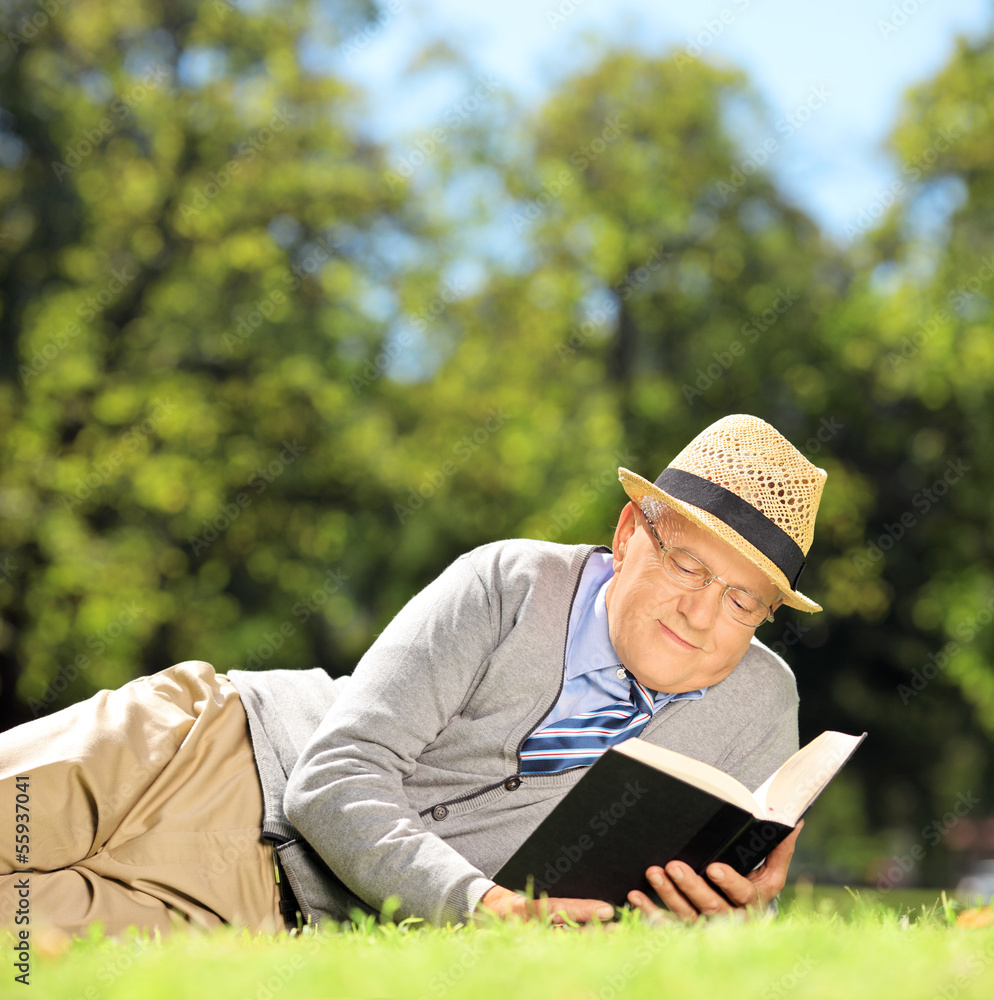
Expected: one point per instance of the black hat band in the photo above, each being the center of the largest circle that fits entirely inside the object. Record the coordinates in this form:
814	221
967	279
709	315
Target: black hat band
752	524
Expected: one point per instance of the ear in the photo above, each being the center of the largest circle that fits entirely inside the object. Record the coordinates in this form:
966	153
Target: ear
627	524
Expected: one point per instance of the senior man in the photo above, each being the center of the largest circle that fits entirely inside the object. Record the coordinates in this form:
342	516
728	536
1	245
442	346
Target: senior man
417	776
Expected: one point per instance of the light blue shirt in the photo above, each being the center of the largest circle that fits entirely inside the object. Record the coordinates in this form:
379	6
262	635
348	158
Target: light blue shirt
592	678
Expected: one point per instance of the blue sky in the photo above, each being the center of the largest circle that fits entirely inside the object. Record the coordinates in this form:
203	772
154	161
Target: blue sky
862	54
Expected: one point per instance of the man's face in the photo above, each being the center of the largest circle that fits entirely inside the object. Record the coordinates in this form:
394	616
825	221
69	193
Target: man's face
671	638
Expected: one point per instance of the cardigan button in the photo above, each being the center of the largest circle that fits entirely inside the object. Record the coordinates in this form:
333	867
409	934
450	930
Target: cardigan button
512	783
439	812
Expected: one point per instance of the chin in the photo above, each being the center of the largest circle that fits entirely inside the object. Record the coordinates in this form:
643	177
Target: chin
669	684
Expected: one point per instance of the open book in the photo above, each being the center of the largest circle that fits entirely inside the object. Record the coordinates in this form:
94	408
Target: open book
642	805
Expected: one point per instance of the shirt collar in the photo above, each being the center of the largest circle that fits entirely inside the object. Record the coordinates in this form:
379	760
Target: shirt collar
590	646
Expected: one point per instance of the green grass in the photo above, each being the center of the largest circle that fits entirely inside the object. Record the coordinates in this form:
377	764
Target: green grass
825	944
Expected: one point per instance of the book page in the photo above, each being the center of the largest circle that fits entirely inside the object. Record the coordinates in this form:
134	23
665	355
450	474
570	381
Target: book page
786	795
694	772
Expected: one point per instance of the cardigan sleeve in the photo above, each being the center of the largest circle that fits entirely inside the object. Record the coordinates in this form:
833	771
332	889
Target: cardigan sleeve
345	794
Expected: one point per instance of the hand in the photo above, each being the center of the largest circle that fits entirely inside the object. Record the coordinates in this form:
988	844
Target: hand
689	897
506	904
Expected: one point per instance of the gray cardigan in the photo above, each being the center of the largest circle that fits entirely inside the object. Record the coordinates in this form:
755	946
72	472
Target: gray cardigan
402	779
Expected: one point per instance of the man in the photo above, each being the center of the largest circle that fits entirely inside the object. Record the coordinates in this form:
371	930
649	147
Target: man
419	775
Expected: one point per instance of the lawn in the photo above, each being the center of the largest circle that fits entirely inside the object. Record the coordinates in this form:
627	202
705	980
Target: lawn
824	944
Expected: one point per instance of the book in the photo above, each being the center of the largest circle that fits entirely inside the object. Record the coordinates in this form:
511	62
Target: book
640	805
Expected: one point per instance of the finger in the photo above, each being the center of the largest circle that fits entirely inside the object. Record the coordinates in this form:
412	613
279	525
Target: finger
580	911
762	884
771	876
673	899
696	890
779	857
739	890
654	914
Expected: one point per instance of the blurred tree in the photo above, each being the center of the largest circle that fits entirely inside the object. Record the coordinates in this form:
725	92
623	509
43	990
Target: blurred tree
914	355
198	249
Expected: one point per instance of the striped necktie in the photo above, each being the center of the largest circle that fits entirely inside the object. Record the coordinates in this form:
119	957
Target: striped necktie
582	738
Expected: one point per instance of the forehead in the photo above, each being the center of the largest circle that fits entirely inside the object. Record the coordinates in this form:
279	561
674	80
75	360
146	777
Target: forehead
719	557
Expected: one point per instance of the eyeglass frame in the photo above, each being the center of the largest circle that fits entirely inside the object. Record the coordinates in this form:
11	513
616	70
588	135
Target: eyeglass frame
711	575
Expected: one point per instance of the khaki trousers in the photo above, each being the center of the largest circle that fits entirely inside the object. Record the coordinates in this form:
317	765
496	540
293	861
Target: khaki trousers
143	808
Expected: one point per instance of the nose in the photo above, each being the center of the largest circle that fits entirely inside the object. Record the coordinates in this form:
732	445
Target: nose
701	607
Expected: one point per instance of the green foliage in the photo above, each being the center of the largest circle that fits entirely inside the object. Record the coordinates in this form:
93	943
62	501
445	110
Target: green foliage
190	275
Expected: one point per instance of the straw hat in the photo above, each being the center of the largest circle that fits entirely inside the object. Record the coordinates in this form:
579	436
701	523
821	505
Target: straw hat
745	483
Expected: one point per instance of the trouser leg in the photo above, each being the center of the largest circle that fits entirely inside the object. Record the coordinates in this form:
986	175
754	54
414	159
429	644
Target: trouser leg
144	809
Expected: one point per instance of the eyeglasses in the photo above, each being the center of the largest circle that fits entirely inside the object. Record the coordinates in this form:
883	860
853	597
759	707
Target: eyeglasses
689	571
